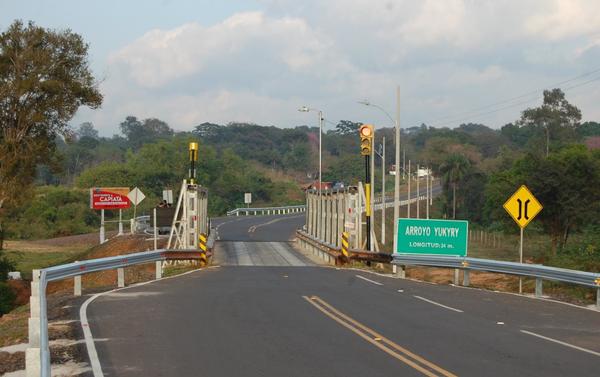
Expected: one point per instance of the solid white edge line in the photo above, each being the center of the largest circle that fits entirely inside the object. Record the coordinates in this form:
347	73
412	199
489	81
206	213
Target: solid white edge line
89	339
369	280
438	304
561	343
85	326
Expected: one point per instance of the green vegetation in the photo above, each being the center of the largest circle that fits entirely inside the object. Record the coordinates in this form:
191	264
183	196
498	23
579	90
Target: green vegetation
47	167
28	261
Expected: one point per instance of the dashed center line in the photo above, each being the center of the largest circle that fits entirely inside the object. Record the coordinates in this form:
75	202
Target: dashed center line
561	343
438	304
369	280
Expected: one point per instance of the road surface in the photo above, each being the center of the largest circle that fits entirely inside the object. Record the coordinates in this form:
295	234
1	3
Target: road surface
268	311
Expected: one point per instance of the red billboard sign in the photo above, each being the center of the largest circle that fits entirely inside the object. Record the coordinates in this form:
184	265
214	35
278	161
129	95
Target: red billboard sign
109	198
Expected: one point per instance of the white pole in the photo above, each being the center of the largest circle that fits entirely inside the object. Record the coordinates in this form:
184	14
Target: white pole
102	238
120	222
397	171
418	194
155	230
427	203
320	177
372	217
383	194
431	191
521	261
408	202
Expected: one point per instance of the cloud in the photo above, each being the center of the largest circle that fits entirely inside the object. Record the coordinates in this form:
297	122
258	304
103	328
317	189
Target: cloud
449	56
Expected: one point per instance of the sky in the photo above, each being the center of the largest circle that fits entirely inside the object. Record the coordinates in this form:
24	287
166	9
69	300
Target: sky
456	61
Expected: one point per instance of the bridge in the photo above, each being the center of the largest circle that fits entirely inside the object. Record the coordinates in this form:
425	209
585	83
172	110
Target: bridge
279	293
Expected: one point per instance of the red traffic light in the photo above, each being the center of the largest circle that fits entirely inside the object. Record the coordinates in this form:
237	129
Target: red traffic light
366	130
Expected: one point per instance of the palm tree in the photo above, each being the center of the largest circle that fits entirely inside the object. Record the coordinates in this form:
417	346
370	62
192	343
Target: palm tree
453	170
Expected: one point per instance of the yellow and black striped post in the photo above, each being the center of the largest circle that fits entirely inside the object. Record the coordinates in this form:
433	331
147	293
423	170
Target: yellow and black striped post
203	248
345	244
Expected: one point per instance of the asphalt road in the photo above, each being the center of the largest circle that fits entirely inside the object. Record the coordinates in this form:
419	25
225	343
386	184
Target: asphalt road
267	311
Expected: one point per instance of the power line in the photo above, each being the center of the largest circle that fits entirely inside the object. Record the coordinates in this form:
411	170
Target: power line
537	96
528	94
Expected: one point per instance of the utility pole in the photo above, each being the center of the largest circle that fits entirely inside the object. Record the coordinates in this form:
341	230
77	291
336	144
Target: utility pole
397	172
383	192
427	197
372	171
408	202
418	194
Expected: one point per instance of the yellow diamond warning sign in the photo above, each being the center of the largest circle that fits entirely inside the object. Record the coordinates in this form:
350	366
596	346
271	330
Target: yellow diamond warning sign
522	206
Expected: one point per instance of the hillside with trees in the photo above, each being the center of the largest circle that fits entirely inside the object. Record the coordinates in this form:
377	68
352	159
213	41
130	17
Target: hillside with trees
48	165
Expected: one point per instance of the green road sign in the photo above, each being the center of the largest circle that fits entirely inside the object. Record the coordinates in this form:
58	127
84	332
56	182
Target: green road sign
441	237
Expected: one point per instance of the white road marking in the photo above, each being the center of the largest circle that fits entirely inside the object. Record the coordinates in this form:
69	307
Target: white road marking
87	333
561	343
438	304
89	339
253	228
369	280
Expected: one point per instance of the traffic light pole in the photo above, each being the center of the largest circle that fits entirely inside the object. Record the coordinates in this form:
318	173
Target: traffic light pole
368	199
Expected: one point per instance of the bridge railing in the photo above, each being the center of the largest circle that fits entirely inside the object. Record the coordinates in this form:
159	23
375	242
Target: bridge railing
283	210
537	271
37	356
331	253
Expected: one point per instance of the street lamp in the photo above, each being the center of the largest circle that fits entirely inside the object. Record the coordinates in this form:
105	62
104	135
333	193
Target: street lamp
306	109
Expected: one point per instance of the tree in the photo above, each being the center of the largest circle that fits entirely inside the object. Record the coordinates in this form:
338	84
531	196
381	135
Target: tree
346	127
556	119
453	171
44	79
86	129
147	131
567	184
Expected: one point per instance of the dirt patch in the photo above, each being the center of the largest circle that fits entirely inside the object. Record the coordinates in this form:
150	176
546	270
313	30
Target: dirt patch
81	241
117	246
22	290
10	362
63	309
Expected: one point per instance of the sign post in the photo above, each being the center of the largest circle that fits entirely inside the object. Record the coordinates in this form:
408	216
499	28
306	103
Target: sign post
109	198
432	237
522	206
135	196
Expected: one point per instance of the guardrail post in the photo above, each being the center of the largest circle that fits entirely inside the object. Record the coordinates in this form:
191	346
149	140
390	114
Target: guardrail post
77	285
158	270
456	276
399	271
33	365
120	277
466	280
598	298
538	287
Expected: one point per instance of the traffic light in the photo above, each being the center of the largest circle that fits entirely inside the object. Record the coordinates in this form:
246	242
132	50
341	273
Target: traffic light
366	139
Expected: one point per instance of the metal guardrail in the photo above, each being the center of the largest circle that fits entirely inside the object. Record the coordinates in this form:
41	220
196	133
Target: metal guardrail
333	254
37	357
268	210
537	271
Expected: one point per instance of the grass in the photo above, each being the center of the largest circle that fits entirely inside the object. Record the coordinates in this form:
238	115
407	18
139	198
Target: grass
27	261
13	326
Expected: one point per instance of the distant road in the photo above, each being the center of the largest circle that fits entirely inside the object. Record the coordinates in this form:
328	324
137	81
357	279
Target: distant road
269	311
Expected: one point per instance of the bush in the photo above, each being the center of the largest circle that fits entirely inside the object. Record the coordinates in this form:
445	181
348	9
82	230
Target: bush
52	212
7	298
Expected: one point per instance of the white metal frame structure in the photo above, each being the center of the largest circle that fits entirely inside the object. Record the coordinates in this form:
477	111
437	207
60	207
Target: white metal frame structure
191	217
